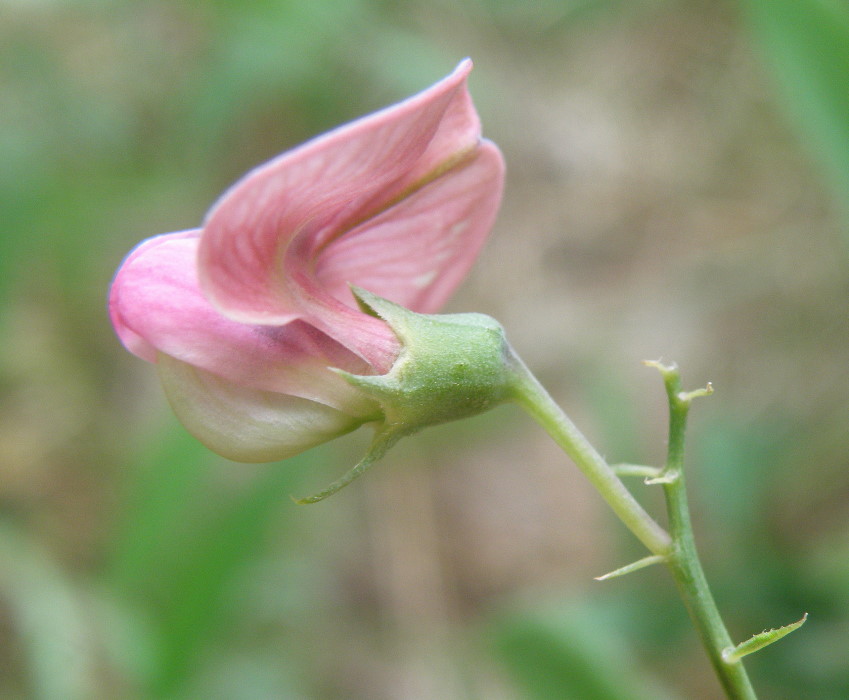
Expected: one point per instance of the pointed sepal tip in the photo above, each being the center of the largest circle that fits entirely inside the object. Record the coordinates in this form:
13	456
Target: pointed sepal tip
381	443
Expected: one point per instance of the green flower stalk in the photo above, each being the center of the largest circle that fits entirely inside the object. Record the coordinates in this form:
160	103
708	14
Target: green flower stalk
455	366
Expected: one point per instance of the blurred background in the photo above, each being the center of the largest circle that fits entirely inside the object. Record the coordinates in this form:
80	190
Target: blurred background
678	188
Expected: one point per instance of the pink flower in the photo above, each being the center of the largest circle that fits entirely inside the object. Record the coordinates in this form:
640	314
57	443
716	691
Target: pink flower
245	316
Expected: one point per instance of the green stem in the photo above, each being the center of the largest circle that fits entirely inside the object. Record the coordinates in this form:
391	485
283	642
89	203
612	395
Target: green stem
532	396
678	547
684	559
693	587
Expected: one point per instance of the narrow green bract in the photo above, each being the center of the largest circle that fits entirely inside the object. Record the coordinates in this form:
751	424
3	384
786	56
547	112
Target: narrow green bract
759	641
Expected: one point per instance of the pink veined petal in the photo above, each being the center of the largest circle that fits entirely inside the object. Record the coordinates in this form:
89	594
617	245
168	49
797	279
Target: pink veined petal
160	309
247	425
369	337
325	187
417	252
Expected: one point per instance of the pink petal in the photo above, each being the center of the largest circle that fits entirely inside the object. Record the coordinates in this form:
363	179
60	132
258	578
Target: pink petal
417	252
157	307
134	342
243	424
324	188
369	337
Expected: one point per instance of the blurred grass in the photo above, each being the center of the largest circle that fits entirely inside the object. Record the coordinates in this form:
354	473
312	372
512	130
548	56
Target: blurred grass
658	202
562	651
806	44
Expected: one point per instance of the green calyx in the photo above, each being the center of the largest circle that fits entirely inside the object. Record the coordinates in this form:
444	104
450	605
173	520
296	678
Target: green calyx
450	367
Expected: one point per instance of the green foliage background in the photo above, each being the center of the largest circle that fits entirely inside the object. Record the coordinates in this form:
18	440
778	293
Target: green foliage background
678	186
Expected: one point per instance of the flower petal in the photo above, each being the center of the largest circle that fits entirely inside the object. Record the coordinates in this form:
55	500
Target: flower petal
243	424
324	188
418	252
134	342
157	306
